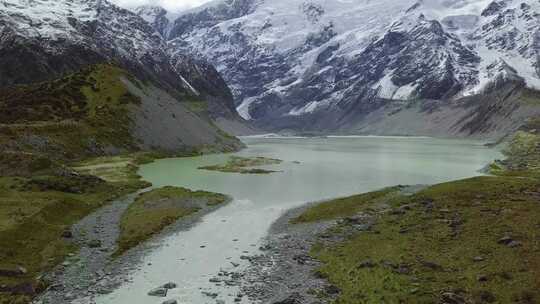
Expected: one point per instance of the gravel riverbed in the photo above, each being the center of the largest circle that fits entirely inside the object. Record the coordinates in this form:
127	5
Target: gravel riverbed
286	273
93	271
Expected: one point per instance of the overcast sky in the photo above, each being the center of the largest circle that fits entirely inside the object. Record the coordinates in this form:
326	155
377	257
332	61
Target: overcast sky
171	5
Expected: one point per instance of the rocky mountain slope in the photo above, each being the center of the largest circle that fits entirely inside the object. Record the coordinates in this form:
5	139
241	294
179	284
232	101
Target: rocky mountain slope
91	63
292	62
158	17
39	36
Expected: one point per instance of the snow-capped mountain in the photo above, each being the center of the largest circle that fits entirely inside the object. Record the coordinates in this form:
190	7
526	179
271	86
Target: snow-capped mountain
158	17
288	59
69	46
52	37
42	39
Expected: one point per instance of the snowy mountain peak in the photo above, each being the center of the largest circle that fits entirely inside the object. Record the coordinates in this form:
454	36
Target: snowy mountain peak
51	38
150	12
47	18
95	24
43	33
161	19
296	57
290	58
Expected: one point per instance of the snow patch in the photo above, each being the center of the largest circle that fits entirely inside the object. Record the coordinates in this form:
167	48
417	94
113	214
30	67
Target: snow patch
243	108
309	108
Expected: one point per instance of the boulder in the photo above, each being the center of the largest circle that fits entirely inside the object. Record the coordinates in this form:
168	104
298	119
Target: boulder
170	285
367	264
158	292
332	290
292	299
302	259
514	244
505	240
67	234
478	259
21	270
451	298
212	295
94	244
431	265
482	278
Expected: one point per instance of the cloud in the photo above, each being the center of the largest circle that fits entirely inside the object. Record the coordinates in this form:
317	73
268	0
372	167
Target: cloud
171	5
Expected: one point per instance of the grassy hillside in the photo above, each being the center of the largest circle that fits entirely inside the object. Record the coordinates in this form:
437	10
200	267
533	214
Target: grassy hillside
37	211
79	115
468	241
97	111
67	147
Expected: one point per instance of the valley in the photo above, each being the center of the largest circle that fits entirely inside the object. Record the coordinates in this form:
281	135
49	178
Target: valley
273	152
466	241
320	66
208	260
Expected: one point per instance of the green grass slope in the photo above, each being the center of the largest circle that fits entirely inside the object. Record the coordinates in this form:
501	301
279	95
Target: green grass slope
79	115
154	210
67	147
36	211
96	111
469	241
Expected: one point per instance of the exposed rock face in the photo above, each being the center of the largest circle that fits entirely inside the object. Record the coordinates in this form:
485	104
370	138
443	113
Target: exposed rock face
211	15
205	80
156	16
163	122
290	62
158	292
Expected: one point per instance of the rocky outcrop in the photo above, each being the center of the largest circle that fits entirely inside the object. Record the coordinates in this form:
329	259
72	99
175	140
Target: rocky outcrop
161	122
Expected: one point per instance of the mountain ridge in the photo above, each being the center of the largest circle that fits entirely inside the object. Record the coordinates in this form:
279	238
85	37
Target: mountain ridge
51	44
287	60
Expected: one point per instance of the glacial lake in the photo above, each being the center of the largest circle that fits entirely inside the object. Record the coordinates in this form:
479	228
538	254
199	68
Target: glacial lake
314	169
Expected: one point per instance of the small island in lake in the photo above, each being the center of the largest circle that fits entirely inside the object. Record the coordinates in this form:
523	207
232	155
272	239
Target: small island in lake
245	165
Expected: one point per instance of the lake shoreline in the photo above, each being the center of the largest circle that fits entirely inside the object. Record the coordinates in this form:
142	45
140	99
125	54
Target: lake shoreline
94	272
462	241
286	272
109	277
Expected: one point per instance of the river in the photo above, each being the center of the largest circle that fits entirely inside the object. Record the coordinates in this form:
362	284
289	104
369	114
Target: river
313	169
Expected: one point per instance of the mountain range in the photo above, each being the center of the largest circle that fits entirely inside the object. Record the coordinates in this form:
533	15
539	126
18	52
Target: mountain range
354	66
429	67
